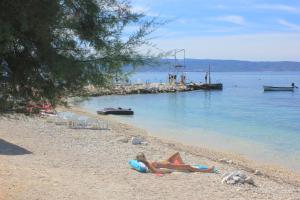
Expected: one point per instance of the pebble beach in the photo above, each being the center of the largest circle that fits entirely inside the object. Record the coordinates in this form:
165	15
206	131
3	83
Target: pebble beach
42	160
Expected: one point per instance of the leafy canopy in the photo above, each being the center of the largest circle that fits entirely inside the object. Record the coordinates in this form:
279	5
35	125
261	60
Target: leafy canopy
56	47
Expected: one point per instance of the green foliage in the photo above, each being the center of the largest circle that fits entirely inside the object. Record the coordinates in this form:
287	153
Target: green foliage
56	47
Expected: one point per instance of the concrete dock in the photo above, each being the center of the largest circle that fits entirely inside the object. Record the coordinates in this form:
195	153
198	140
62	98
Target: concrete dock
149	88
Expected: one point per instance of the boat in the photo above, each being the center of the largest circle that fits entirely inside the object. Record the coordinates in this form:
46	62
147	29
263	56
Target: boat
205	86
209	85
116	111
272	88
212	86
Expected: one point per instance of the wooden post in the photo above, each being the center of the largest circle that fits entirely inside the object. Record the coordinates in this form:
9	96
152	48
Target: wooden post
209	80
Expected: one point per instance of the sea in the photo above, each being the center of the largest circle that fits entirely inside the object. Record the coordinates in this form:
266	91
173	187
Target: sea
240	119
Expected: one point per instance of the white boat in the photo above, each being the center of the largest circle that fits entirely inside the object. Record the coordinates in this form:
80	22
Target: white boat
272	88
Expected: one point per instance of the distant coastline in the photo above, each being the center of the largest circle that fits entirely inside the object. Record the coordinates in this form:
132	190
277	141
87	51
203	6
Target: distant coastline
201	65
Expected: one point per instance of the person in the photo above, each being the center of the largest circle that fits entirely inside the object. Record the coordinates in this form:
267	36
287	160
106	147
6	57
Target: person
174	162
294	86
170	78
5	70
206	74
182	79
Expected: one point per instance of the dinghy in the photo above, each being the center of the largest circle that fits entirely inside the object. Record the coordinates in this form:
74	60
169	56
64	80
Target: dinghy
212	86
209	85
272	88
115	111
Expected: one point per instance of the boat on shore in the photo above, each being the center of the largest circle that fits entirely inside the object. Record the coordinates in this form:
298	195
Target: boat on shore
116	111
272	88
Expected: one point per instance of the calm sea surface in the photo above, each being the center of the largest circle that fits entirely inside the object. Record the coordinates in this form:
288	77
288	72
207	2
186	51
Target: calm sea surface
242	118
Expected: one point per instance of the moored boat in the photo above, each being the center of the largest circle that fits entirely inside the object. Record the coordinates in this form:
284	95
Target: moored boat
116	111
212	86
272	88
209	85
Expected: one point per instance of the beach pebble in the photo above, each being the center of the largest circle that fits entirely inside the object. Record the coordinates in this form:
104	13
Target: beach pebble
230	162
257	172
249	180
137	141
224	160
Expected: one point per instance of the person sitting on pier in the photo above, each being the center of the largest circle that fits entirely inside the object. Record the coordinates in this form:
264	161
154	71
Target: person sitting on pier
174	162
294	86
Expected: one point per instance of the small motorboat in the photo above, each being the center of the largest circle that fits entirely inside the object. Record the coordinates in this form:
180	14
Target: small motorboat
205	86
212	86
209	85
116	111
272	88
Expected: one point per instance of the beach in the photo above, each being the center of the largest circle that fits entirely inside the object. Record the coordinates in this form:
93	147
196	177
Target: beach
41	160
147	100
240	118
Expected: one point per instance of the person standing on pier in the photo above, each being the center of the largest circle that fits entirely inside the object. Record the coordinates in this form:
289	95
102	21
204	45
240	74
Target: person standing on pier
205	77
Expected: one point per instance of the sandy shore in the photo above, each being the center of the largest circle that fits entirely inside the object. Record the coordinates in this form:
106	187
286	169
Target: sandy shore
41	160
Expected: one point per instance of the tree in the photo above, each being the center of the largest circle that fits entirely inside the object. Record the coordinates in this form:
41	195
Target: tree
56	47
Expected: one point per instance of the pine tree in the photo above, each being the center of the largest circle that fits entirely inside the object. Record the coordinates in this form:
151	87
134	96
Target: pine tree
56	47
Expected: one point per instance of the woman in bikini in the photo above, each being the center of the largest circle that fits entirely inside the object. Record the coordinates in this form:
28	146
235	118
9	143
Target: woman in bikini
173	163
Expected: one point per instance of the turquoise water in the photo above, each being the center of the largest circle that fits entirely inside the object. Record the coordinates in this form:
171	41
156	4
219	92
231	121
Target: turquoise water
264	126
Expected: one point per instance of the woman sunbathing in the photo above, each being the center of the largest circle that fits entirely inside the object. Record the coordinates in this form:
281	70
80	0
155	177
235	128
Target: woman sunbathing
173	163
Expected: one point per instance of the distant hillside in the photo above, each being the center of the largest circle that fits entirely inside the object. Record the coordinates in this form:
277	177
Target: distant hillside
222	66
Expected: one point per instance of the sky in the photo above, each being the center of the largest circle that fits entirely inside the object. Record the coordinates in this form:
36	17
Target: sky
255	30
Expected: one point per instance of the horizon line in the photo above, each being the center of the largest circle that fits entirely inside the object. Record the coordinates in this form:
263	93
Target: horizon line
241	60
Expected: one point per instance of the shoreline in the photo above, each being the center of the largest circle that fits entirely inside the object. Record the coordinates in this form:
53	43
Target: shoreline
272	171
215	141
40	159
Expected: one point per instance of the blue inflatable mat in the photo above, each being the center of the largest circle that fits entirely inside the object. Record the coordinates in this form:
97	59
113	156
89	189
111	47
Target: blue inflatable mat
138	166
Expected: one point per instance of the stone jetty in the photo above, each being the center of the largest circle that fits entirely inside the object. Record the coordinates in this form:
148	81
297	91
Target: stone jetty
145	88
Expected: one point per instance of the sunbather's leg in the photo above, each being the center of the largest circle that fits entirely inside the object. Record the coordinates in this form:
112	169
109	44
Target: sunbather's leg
184	167
176	159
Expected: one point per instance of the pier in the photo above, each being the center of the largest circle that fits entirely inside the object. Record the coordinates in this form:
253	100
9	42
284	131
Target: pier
177	82
150	88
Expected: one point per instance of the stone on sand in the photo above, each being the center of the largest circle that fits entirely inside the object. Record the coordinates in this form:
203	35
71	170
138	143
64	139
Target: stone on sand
136	140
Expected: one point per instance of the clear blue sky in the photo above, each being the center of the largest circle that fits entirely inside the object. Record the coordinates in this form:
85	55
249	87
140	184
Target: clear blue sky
228	29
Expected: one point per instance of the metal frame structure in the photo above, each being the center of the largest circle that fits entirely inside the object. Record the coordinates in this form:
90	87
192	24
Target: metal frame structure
176	65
